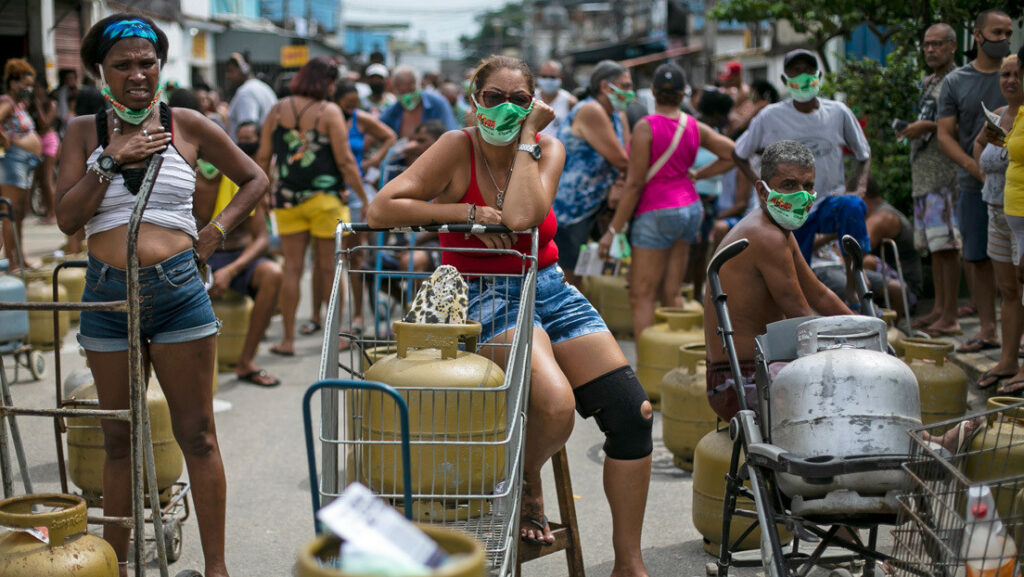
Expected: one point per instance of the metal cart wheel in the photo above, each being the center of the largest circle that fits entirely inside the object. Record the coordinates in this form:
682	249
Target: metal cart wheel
36	364
172	539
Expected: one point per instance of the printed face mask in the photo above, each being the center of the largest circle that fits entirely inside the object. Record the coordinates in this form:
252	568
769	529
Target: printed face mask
549	85
805	87
621	99
789	210
410	100
501	124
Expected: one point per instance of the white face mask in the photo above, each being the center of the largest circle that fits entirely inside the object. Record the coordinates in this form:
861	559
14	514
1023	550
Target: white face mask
549	85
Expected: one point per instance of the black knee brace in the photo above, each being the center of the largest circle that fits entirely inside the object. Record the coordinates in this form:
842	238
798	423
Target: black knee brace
615	400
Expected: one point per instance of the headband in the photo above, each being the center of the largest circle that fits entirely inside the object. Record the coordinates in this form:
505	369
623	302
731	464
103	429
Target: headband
121	29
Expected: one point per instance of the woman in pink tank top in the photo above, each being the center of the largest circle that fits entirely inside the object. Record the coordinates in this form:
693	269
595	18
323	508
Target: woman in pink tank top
660	197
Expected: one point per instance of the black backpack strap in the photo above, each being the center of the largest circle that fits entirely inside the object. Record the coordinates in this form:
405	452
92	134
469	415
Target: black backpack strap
102	138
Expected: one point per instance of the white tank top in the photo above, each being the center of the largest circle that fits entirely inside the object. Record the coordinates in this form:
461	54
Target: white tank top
170	204
561	105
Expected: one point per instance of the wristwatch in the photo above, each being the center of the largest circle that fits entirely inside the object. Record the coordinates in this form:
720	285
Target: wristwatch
108	164
533	149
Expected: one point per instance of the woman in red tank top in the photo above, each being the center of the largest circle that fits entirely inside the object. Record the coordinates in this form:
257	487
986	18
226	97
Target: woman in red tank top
502	172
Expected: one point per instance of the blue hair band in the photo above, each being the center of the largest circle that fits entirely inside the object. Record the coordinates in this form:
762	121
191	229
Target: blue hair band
121	29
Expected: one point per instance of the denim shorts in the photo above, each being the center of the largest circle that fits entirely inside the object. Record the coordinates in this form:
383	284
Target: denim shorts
559	308
660	229
16	167
174	305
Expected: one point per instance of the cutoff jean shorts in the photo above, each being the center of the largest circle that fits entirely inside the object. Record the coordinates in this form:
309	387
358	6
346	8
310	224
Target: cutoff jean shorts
17	166
660	229
560	309
174	305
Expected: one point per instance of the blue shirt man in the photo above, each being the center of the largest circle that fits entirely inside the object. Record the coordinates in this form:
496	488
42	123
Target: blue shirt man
415	106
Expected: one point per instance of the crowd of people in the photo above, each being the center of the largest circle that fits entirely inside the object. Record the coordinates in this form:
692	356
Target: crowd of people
671	176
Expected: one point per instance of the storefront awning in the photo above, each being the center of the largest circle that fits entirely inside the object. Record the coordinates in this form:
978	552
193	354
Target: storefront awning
659	56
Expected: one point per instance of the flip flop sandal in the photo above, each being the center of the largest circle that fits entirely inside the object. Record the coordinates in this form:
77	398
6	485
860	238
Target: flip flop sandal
309	328
988	378
979	345
1011	388
259	377
538	522
281	353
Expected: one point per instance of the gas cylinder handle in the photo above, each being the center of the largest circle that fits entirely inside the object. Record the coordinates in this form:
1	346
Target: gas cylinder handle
926	349
68	519
444	337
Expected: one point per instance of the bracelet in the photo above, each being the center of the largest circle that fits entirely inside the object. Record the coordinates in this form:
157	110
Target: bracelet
103	176
220	229
471	214
614	232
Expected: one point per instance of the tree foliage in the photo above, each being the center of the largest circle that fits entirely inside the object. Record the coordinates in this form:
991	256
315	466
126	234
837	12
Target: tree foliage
878	92
900	21
499	29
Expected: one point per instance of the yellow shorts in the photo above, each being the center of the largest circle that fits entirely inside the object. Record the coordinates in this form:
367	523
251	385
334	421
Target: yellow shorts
318	215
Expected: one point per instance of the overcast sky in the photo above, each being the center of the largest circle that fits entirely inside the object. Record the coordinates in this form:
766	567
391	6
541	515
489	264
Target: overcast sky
439	22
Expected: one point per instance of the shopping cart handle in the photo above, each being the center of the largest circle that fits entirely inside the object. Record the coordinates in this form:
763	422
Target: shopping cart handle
463	228
852	248
720	258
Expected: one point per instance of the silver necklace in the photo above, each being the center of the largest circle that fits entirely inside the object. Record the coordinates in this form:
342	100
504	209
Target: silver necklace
500	200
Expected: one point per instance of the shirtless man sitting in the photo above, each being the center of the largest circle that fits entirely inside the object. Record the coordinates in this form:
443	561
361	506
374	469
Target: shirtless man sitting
770	281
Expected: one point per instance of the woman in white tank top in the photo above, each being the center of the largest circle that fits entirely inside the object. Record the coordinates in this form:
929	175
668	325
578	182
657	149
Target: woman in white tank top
103	159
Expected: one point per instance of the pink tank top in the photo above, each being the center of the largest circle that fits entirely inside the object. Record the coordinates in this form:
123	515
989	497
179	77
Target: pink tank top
670	187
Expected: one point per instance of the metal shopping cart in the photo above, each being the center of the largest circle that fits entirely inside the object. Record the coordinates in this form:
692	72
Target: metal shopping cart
353	448
930	534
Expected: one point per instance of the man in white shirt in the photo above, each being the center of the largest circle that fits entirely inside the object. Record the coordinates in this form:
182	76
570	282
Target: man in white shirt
549	89
253	98
825	127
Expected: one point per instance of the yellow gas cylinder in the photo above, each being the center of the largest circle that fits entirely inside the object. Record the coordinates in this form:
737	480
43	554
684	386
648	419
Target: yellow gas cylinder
85	442
449	404
71	278
997	452
234	311
319	557
893	334
710	466
71	549
657	349
941	384
611	299
686	415
40	323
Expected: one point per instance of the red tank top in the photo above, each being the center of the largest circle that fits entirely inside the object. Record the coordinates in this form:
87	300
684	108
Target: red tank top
469	263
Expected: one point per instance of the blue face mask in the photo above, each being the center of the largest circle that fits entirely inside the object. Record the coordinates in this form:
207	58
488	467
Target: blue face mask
549	85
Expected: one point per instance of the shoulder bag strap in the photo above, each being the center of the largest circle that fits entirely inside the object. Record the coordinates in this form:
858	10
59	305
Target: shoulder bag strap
671	147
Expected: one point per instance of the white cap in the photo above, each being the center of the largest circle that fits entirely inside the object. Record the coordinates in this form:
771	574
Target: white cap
377	70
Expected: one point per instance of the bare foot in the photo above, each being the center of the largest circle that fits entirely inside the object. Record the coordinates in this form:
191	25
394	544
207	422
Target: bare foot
953	439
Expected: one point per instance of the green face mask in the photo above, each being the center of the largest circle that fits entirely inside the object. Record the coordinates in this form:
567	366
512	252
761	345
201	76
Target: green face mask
410	100
804	87
789	210
501	124
621	99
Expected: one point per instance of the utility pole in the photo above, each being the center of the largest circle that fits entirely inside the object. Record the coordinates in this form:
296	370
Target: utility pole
710	31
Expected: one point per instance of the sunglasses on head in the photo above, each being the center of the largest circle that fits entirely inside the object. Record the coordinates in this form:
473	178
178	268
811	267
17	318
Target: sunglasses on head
492	98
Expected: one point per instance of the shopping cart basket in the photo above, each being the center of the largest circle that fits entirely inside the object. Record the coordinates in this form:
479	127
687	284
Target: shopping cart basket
929	538
486	505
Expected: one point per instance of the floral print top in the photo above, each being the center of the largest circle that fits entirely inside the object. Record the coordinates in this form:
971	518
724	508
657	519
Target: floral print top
305	163
587	176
